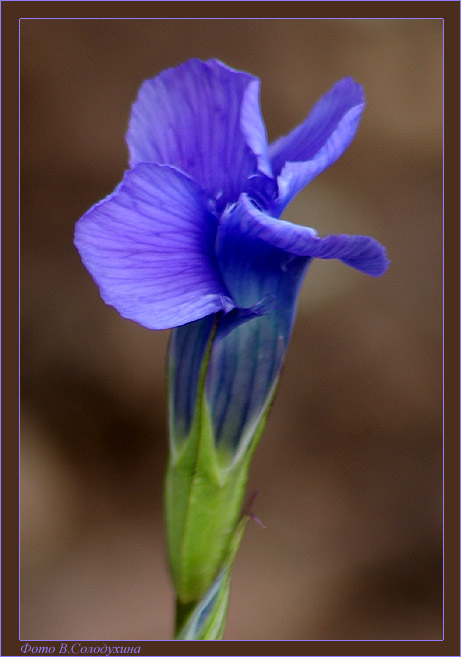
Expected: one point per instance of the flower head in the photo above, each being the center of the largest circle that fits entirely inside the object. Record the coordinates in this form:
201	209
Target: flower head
193	232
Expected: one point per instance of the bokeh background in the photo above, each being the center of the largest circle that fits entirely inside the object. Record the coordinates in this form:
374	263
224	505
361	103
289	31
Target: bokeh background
349	471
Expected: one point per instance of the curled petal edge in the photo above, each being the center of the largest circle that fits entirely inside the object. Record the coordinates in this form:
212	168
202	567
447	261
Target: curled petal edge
358	251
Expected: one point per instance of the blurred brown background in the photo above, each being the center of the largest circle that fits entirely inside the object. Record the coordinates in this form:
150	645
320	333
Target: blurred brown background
349	468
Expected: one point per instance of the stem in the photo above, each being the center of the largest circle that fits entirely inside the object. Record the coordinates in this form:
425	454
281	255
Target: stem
183	611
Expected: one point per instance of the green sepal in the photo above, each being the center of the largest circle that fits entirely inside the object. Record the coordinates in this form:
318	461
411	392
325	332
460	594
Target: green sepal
207	618
203	505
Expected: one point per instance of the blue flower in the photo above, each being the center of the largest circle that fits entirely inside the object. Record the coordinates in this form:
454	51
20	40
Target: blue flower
192	234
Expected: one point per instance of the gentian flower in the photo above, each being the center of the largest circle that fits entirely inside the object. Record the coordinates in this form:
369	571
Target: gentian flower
193	239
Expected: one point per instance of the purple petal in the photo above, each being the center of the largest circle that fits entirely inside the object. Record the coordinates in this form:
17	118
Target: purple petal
318	142
203	118
254	128
358	251
150	248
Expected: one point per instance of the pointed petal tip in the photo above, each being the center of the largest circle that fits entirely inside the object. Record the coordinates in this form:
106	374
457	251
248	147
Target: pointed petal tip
349	87
236	315
367	255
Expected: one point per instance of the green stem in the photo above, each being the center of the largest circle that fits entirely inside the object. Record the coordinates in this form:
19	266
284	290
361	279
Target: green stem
182	613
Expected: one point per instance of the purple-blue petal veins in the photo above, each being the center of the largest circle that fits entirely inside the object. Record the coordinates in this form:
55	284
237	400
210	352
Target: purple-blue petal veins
198	117
150	248
192	235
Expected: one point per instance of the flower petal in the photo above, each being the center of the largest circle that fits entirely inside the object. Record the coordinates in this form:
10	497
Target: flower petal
318	142
253	127
150	248
204	118
358	251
